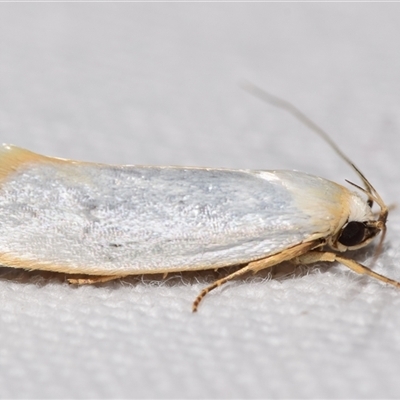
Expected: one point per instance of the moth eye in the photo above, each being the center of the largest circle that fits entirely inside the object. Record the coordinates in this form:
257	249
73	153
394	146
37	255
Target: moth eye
352	234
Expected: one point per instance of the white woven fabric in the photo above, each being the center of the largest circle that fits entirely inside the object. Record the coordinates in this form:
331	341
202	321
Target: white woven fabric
158	84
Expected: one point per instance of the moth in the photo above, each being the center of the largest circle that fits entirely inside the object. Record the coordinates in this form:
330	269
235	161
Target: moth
108	221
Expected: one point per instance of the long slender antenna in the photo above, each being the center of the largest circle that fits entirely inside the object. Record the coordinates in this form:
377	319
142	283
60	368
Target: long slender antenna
283	104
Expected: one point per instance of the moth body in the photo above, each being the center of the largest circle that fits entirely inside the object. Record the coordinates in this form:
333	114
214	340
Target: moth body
112	221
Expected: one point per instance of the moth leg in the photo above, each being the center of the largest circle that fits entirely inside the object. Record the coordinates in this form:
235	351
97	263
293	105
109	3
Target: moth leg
256	266
216	284
315	256
93	279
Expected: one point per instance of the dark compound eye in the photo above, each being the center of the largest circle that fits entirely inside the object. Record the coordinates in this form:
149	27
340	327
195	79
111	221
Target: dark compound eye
352	234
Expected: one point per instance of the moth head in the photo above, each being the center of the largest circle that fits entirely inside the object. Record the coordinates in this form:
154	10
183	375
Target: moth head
362	224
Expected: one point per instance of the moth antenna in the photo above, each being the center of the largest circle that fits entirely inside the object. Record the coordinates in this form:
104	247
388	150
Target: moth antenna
371	198
300	116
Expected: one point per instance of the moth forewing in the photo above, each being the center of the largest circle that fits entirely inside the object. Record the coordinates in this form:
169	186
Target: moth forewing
101	220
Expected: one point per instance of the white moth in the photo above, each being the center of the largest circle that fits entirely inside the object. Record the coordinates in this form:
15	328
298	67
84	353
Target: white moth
109	222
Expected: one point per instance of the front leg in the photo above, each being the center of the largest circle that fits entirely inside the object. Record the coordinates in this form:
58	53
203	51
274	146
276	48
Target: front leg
315	256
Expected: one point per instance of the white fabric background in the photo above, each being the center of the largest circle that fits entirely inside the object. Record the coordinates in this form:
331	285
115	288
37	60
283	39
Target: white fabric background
158	84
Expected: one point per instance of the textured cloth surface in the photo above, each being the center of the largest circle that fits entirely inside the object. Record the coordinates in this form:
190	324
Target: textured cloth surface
158	84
